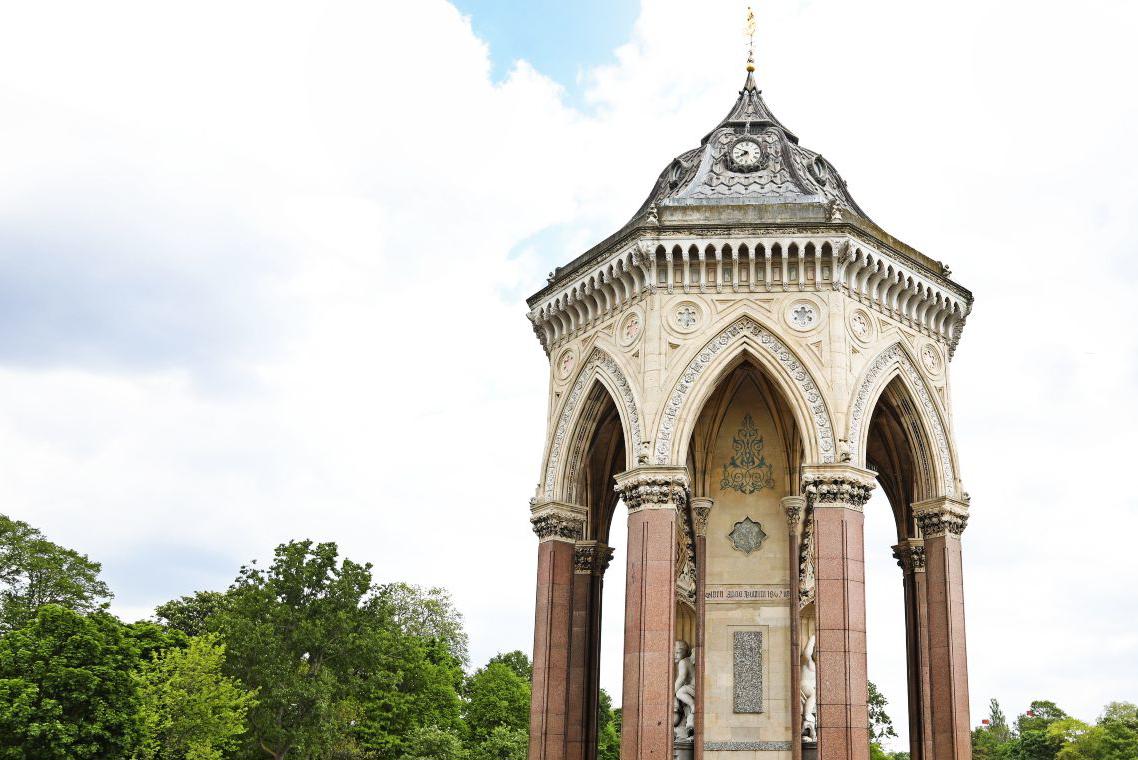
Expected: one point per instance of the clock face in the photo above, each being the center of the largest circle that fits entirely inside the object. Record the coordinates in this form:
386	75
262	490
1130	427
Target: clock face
746	154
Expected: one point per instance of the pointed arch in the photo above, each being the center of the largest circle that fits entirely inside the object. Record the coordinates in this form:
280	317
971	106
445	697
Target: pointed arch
895	362
743	338
603	370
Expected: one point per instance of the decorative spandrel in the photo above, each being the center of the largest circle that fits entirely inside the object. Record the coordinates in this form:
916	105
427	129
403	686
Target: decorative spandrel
748	471
747	535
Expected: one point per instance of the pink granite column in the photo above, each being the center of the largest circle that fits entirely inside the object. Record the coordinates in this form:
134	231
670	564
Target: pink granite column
838	494
590	561
654	496
941	522
794	507
701	511
910	555
558	527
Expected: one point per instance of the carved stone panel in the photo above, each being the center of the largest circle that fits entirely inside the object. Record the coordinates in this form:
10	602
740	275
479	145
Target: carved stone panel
748	666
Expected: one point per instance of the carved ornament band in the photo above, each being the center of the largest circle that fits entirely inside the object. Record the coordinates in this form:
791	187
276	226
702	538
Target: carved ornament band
653	488
701	511
847	486
941	517
557	521
591	558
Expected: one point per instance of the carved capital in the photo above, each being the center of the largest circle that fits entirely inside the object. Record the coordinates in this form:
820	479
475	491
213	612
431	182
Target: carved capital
591	558
942	516
653	488
842	486
701	511
557	521
910	555
793	506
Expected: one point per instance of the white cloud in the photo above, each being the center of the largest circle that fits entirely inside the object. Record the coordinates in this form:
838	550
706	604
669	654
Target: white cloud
245	244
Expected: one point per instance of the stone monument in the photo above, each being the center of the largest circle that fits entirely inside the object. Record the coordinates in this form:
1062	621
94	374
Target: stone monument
731	374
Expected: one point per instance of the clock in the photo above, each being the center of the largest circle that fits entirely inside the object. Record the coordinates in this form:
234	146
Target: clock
746	155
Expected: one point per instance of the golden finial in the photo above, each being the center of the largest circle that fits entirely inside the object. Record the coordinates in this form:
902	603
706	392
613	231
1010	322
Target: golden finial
750	39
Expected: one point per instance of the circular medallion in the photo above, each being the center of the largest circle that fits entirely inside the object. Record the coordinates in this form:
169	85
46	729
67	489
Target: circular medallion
686	316
630	329
861	326
803	315
565	363
930	357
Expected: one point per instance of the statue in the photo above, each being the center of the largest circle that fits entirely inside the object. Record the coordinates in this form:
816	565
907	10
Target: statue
809	686
684	721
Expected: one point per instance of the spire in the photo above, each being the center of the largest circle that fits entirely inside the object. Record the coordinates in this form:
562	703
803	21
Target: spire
751	109
750	42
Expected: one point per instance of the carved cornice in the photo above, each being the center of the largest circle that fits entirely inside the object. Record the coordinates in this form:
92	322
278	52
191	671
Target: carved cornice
653	488
843	486
591	558
794	506
557	521
941	517
701	511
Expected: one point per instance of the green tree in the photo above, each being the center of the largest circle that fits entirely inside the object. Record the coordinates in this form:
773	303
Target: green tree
301	634
67	690
496	696
415	685
998	722
35	572
427	612
608	729
517	661
502	743
1115	737
434	743
1033	739
189	709
192	615
880	724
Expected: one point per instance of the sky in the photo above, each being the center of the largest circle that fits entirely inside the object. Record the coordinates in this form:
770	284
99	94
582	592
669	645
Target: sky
263	269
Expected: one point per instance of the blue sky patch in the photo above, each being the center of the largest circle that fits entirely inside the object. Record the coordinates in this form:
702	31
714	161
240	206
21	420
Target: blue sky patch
560	39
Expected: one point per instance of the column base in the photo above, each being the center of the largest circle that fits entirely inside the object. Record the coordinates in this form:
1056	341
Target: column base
683	749
809	750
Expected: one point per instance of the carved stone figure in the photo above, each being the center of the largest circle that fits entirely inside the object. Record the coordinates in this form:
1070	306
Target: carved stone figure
809	687
684	720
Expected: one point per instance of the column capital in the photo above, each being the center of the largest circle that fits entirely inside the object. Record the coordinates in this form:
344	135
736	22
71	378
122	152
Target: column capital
941	516
701	511
838	485
910	555
794	506
659	487
557	520
591	558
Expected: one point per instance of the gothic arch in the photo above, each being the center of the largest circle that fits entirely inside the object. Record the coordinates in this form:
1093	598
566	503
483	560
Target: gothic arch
895	361
603	369
744	337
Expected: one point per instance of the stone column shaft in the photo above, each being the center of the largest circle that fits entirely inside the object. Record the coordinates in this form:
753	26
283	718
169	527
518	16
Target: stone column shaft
839	493
653	496
590	561
910	556
794	506
941	522
558	527
701	512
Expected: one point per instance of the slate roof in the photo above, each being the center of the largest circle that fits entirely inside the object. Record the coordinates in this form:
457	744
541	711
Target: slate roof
788	173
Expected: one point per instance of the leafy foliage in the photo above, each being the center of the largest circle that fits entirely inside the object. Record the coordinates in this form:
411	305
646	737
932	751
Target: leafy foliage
189	709
608	729
66	688
434	743
35	572
496	696
502	743
192	615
